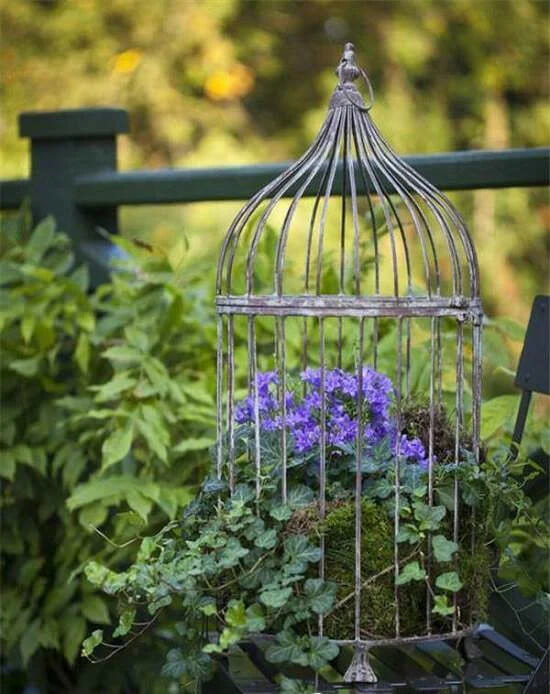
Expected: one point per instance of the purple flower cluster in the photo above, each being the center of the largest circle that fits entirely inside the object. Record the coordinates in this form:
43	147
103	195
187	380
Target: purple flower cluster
303	413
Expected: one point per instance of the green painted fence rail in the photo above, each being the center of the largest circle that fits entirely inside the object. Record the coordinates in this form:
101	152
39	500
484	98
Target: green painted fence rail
74	176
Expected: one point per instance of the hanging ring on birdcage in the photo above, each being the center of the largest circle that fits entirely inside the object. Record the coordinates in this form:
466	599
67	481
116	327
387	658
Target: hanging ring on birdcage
348	71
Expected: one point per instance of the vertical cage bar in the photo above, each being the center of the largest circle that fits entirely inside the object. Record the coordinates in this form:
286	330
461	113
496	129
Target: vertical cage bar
219	396
476	383
408	357
231	399
430	468
281	368
397	469
375	343
322	454
439	382
359	480
458	431
253	361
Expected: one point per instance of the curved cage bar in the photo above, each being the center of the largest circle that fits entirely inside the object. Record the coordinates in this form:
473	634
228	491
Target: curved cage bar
352	271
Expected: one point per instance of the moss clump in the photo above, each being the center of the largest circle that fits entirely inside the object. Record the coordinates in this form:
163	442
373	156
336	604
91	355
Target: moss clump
377	597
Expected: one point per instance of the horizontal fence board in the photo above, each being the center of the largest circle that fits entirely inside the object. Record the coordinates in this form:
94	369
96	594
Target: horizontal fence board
469	170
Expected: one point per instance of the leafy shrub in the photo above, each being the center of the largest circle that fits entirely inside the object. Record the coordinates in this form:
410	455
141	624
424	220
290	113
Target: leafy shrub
107	410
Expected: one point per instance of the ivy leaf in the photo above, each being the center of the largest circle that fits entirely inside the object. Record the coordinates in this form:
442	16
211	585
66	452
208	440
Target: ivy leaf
429	517
443	548
232	552
292	686
125	621
441	606
235	615
208	606
411	572
449	581
230	636
116	445
285	650
321	594
267	540
275	598
89	644
299	552
408	533
322	652
300	497
255	618
281	513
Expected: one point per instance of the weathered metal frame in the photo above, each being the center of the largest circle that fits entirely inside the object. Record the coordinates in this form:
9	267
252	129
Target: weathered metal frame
349	142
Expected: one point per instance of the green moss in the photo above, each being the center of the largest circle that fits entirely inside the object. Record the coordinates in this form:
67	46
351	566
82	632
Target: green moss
377	598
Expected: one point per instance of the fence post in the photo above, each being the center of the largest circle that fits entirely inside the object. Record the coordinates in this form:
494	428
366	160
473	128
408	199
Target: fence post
65	145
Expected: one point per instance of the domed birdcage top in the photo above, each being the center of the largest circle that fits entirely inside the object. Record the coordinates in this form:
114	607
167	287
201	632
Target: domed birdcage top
349	225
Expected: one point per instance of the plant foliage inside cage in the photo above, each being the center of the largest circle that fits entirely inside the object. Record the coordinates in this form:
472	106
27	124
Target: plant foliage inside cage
349	361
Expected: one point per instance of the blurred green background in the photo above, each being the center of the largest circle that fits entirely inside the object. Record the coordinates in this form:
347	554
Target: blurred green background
228	82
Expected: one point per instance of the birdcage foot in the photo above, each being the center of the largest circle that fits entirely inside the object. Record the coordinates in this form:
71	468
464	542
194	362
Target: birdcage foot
360	669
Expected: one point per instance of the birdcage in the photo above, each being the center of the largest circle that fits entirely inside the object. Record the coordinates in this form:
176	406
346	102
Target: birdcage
350	262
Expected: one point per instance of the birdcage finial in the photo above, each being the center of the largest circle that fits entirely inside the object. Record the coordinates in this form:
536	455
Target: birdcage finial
346	93
348	71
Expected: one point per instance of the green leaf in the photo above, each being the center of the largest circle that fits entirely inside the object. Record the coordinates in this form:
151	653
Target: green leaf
299	552
7	465
125	622
428	517
41	239
232	552
193	445
267	539
285	650
117	445
208	608
255	618
26	367
411	572
82	352
138	503
449	581
123	353
408	533
321	594
91	643
275	598
74	632
235	615
441	606
118	384
105	487
281	513
300	497
322	652
497	413
30	641
95	609
443	548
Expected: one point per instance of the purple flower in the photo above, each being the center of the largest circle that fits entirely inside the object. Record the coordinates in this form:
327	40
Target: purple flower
341	390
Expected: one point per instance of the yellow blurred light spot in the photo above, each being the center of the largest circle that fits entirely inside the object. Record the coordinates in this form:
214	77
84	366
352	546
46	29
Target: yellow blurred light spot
127	61
225	85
